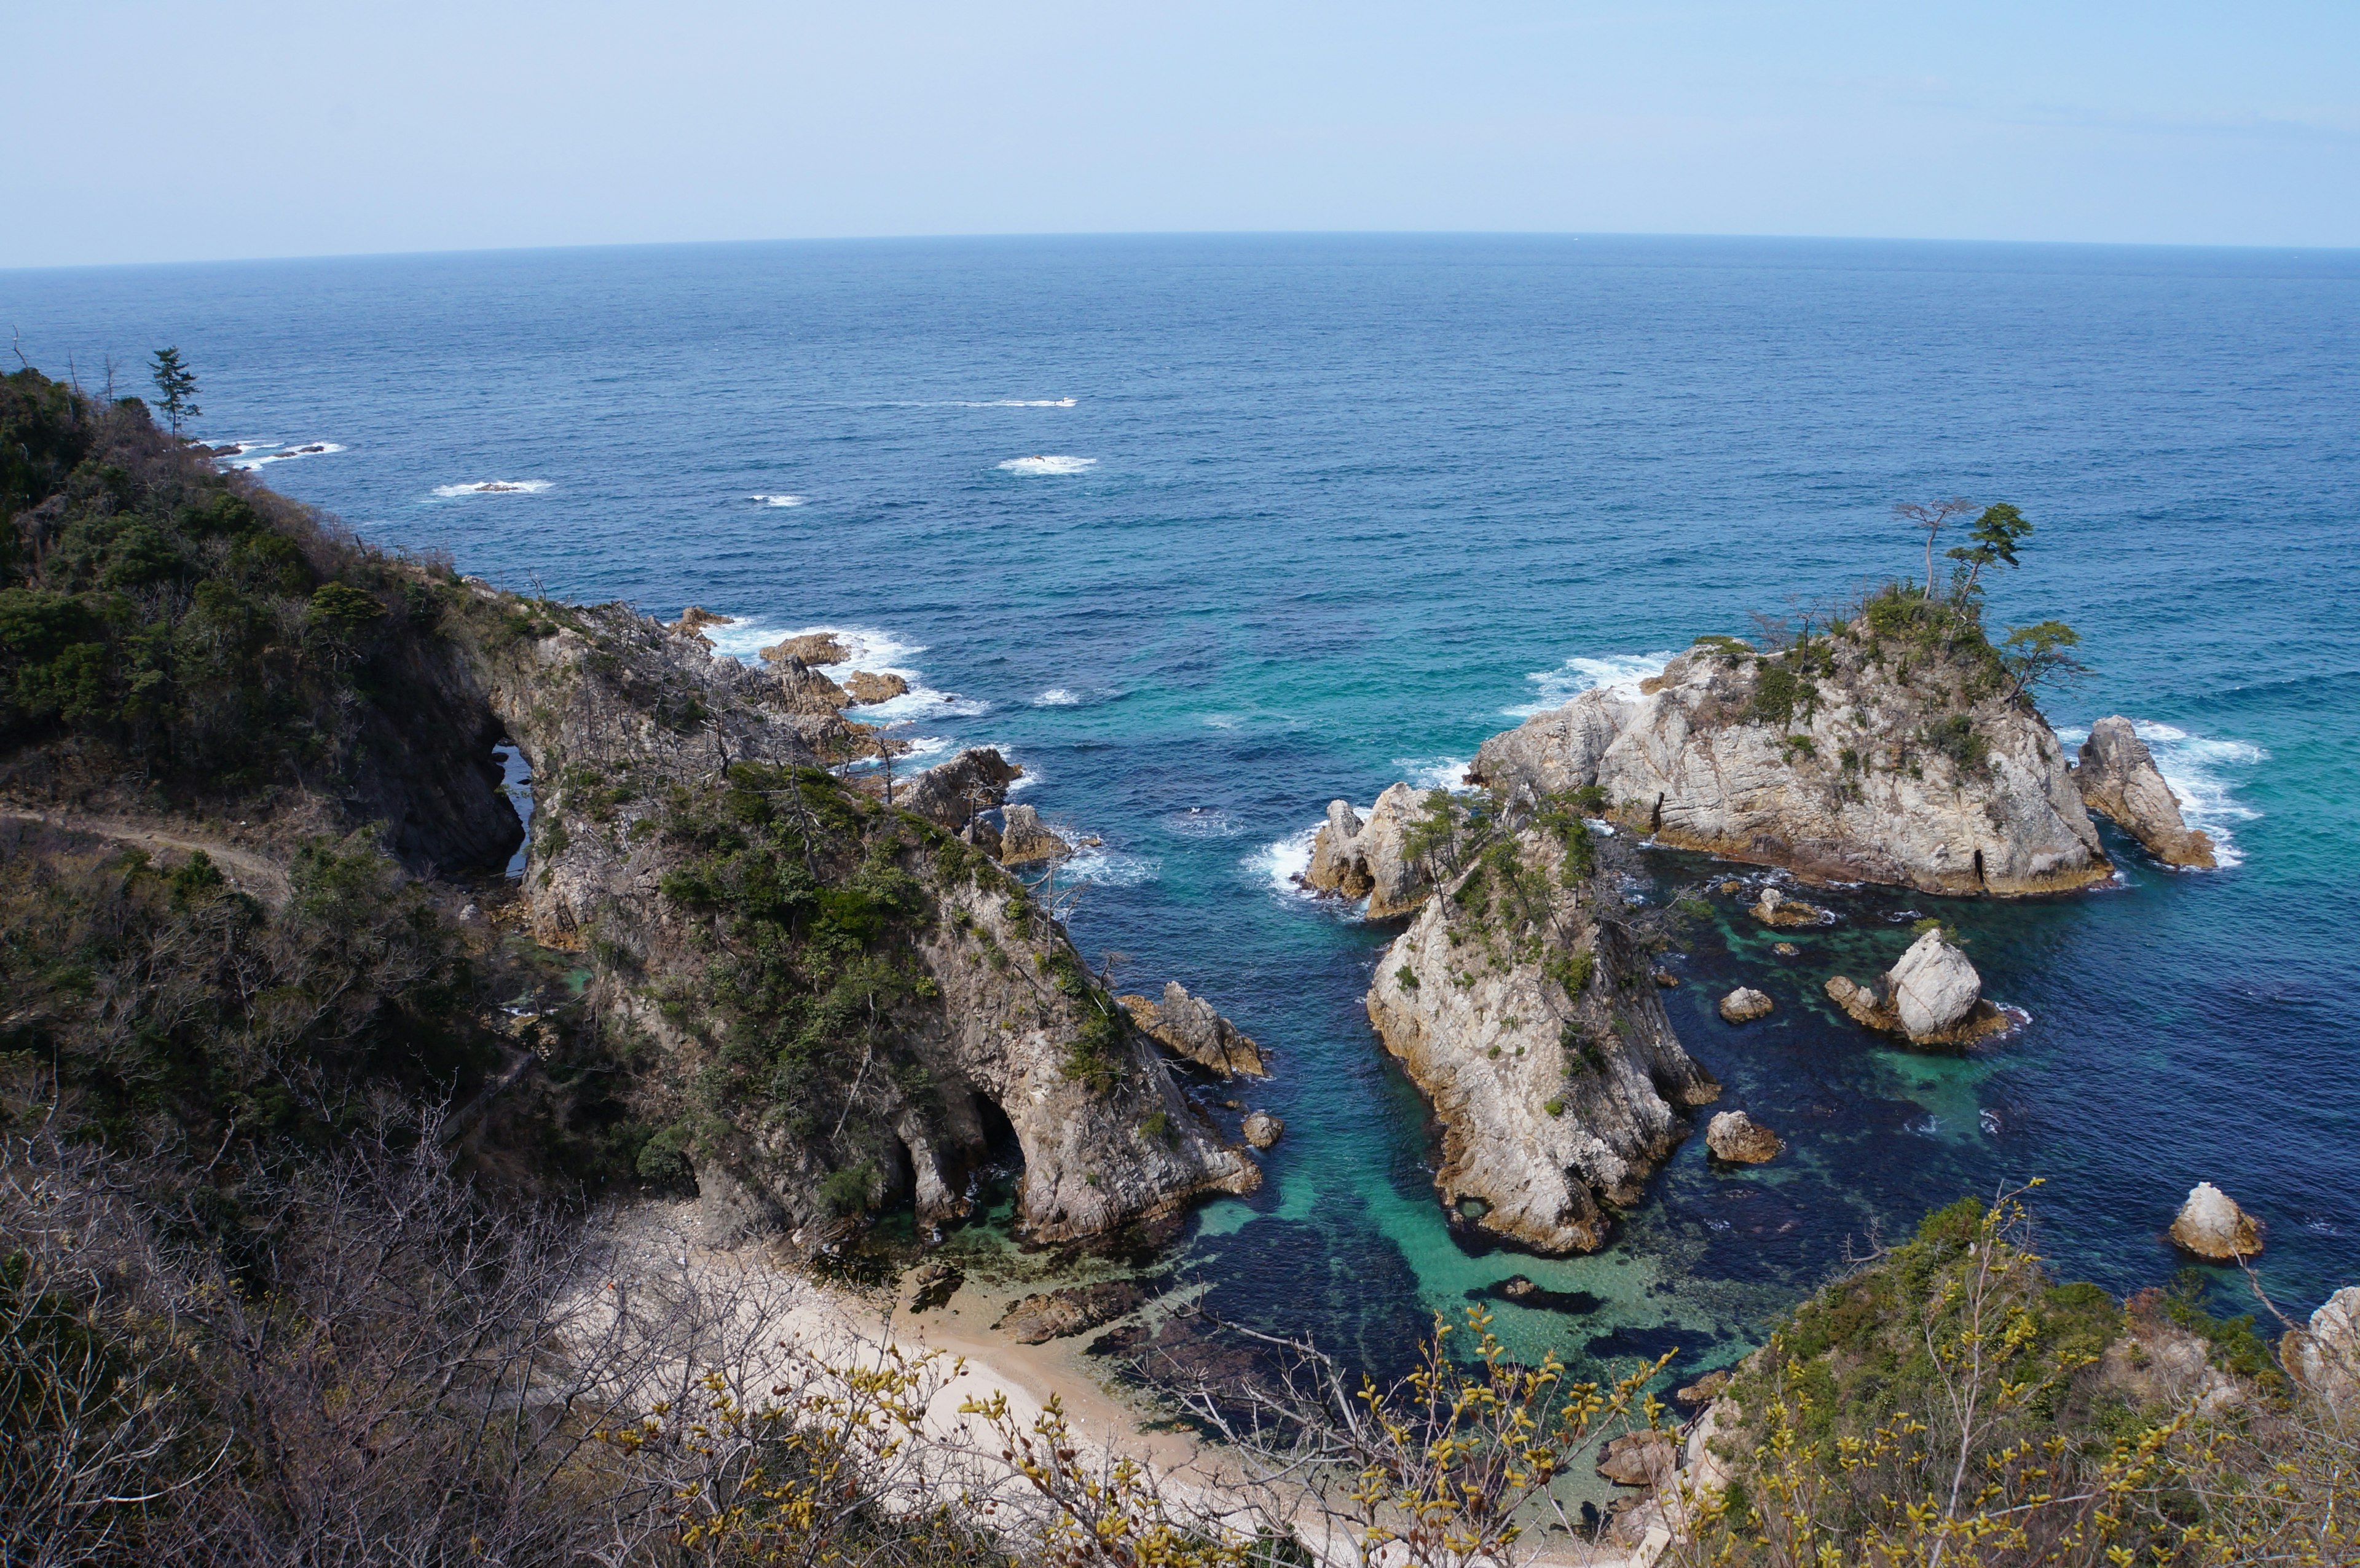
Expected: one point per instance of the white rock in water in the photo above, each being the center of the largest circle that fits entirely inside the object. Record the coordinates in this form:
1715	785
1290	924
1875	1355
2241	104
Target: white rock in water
2119	777
2211	1224
1744	1005
1933	989
1355	857
1737	1137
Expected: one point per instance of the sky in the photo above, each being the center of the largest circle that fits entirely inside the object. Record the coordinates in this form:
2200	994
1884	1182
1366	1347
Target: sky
142	131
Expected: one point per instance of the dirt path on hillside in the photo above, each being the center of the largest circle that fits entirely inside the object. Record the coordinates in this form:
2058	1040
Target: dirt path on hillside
250	873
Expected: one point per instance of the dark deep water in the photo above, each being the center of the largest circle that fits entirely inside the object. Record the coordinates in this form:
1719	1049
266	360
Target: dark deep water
1348	503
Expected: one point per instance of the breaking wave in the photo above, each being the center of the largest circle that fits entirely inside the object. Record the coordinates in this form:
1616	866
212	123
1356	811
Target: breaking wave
2201	770
279	452
1619	673
1057	697
876	652
1434	772
1038	465
778	500
494	487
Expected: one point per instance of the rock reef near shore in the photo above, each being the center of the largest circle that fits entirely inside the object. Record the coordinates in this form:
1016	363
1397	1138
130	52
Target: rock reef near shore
1851	756
1190	1028
1522	1006
1371	860
2118	778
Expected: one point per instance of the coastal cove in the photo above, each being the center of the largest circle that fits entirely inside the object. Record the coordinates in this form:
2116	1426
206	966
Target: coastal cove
1204	533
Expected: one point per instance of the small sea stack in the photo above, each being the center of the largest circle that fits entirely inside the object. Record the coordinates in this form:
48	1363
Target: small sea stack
1744	1005
1739	1139
2211	1226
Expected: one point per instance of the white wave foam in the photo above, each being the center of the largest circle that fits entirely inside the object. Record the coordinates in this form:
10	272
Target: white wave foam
277	452
1619	673
1284	863
1207	821
1038	465
494	487
1109	868
878	652
1434	772
2199	770
778	500
1057	697
1019	403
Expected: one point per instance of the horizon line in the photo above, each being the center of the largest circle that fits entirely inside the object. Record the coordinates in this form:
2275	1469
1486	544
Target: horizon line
1112	235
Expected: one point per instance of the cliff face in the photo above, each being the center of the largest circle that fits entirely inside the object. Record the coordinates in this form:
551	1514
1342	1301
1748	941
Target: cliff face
2118	778
1522	1006
847	999
1849	757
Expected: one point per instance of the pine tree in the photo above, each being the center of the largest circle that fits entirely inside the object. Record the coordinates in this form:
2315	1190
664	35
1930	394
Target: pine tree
178	385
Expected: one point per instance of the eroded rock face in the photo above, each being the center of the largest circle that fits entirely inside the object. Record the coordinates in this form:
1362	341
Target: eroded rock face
1554	1075
1371	858
1740	1140
1024	838
1188	1027
2326	1358
613	713
1744	1005
2117	776
2211	1225
1855	762
1261	1129
950	794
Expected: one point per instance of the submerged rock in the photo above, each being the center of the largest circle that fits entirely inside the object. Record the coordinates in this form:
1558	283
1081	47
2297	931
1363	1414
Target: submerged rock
1744	1005
1024	838
1737	1137
1076	1309
1261	1129
2117	776
2211	1225
1357	858
1189	1027
1858	757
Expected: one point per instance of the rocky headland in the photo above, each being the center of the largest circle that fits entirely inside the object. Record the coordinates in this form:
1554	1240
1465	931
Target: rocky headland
1522	1004
1353	859
1881	751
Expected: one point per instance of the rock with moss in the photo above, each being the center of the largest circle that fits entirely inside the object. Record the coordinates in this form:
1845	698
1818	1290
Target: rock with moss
2118	778
1896	750
1518	1002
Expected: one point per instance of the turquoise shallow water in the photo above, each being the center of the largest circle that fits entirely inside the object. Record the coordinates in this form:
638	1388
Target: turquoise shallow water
1289	519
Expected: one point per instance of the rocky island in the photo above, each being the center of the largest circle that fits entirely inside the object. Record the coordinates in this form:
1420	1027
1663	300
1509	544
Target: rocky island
1895	747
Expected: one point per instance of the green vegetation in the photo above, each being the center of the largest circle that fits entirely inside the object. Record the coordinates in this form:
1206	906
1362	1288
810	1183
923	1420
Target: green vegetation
157	999
176	388
205	638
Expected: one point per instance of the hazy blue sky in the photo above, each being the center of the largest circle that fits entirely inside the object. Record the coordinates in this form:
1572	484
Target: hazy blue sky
151	131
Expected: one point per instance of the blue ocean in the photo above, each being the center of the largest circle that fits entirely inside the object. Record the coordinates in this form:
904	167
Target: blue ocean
1205	532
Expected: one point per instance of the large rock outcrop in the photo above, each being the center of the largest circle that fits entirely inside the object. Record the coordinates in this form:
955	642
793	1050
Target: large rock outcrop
1931	996
2118	778
1851	757
1188	1027
1372	858
2211	1225
2326	1358
1520	1004
898	1101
